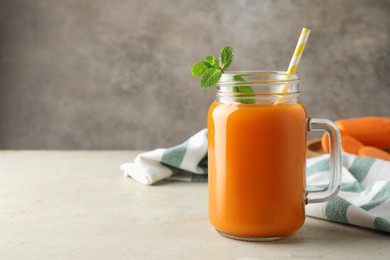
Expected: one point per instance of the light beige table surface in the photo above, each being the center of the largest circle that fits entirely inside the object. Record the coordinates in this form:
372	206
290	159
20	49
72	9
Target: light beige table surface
78	205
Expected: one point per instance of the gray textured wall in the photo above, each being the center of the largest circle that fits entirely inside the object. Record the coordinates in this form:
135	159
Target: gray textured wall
115	74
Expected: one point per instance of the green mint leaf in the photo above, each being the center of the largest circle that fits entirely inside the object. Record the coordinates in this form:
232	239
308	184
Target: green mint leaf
212	60
245	99
238	78
226	57
199	68
243	89
210	77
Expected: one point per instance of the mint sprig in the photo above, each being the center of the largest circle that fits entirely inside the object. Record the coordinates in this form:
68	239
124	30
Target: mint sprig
210	71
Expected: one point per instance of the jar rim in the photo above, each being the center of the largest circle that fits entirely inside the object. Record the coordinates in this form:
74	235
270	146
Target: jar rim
257	77
254	72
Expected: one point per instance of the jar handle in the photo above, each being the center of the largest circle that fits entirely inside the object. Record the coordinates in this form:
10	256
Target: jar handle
329	192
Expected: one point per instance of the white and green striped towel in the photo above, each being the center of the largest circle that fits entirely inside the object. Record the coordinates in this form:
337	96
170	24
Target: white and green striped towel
364	198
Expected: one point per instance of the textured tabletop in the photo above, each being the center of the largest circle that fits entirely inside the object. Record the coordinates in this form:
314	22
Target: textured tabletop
78	205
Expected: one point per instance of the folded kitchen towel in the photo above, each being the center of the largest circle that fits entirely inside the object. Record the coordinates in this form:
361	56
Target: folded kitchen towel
364	197
363	200
185	162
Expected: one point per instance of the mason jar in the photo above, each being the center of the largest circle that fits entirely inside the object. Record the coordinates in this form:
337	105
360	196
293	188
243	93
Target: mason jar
257	131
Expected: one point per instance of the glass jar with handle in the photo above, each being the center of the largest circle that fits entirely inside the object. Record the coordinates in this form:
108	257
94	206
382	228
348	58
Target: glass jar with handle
257	156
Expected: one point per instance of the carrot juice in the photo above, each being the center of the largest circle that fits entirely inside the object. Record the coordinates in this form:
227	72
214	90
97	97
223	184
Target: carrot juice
257	155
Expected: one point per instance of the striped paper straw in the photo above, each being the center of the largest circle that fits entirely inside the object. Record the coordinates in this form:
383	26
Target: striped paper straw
292	68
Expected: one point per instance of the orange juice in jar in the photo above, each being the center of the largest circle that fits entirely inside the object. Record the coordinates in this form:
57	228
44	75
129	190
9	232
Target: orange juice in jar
257	154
